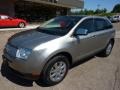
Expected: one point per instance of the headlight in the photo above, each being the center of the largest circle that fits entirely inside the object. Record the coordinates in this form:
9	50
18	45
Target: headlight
23	53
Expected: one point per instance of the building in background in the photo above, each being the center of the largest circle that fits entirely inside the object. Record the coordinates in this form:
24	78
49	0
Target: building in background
34	10
7	7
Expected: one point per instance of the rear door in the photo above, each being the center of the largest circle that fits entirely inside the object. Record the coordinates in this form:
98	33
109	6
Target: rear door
103	30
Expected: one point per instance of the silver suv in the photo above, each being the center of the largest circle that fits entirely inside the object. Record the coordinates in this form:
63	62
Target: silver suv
49	50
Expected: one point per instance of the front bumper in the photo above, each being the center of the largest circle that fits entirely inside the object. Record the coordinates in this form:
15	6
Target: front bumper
33	65
28	76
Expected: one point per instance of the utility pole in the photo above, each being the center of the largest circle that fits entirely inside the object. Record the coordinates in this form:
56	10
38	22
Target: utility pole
98	6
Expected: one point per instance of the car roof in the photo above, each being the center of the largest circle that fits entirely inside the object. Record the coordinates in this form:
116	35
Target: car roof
71	16
76	16
87	16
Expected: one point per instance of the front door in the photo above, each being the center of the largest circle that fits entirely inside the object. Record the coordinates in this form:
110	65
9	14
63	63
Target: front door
85	45
5	21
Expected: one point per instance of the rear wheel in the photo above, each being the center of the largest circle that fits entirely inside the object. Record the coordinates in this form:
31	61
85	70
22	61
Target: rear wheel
107	51
21	25
55	70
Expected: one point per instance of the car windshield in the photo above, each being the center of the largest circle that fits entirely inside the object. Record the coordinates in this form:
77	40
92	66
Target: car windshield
60	25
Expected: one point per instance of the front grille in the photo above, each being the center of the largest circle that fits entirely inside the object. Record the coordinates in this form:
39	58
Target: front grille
10	50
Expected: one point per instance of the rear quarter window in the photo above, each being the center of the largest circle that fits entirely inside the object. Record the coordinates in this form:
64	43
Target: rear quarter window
102	24
108	25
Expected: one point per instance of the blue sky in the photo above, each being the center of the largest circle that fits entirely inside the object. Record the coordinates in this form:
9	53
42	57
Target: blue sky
93	4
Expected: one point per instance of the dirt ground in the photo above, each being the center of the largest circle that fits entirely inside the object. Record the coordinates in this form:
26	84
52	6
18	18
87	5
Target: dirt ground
94	74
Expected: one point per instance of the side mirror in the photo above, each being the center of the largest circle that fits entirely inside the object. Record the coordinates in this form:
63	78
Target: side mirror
81	31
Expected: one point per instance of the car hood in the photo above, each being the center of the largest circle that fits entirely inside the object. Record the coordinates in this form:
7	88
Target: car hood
30	39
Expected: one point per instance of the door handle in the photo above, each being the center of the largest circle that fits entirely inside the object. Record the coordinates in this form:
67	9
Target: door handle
94	36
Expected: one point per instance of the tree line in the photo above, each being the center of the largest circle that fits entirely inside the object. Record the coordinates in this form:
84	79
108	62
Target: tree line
101	12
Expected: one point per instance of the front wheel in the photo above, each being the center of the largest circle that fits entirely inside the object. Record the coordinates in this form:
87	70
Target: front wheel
55	70
21	25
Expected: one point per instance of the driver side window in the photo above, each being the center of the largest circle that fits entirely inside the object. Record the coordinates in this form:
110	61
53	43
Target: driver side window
87	24
4	17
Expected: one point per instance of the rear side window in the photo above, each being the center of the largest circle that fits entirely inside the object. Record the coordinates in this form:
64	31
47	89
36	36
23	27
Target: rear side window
108	25
102	24
87	24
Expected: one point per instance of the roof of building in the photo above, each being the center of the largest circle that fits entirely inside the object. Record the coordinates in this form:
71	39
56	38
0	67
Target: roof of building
62	3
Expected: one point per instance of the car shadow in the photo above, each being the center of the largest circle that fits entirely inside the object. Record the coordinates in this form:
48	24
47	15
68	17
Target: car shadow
82	61
41	84
7	27
7	72
11	76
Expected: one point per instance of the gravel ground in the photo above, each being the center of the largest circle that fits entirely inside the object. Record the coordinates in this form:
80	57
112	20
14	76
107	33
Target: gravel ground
117	26
94	74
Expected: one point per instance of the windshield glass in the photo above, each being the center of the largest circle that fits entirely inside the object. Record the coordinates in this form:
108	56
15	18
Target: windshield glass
59	25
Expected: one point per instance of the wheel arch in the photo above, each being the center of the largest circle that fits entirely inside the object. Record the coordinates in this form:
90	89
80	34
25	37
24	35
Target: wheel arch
68	55
112	40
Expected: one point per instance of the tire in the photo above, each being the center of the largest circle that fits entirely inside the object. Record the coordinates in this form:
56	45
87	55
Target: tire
107	51
53	74
21	25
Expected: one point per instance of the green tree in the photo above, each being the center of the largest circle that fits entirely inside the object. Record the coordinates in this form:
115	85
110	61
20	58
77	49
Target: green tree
100	11
97	11
116	9
104	10
90	12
